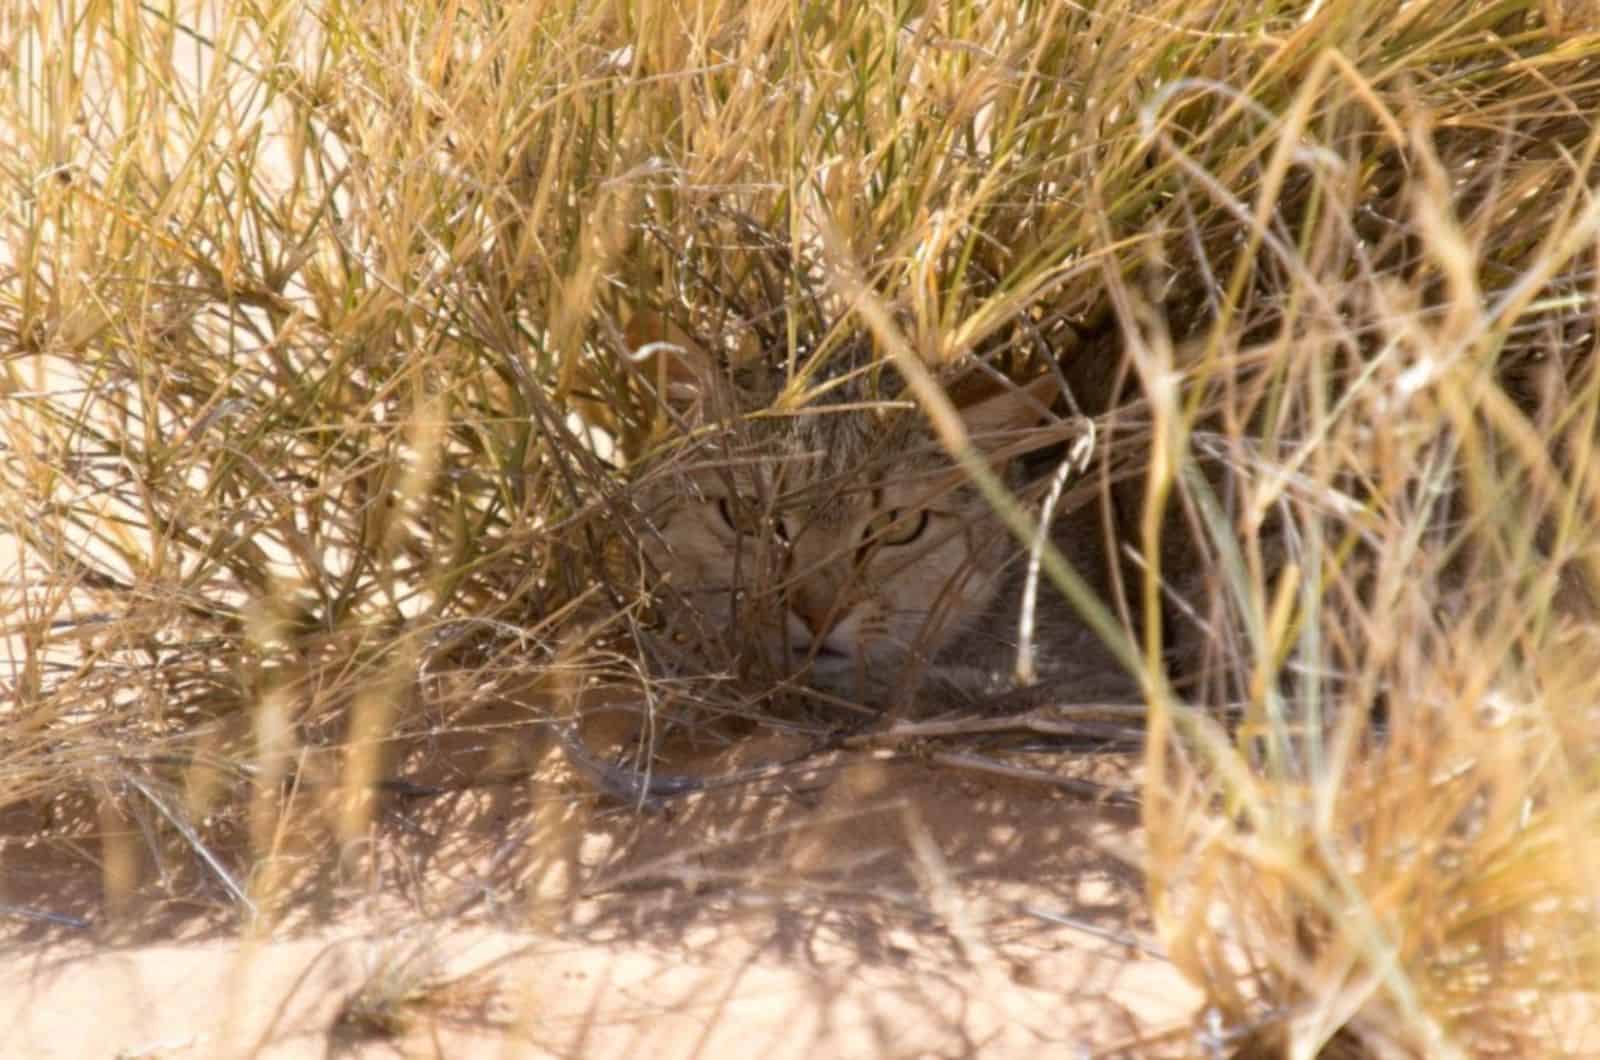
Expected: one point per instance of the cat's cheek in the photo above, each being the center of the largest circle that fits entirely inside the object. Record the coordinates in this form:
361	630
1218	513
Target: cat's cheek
682	570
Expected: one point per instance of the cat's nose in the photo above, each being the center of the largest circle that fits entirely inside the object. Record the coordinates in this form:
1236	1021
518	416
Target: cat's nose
817	611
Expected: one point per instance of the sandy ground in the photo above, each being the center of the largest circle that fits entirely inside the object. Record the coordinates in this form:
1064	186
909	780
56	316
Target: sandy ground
884	909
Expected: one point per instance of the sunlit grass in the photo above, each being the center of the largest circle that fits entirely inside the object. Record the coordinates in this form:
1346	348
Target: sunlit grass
298	304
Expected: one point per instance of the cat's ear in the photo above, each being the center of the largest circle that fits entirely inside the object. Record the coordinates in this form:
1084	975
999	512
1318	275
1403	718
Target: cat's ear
680	369
992	421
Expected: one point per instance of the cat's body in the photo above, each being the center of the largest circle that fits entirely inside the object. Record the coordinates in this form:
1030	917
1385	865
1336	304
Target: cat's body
835	546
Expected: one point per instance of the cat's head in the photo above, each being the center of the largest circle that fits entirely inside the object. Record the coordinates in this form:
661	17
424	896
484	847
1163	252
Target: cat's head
833	542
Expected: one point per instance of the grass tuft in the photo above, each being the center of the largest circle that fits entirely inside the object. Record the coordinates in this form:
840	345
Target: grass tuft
319	331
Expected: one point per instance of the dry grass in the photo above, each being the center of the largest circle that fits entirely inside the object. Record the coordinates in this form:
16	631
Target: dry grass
307	311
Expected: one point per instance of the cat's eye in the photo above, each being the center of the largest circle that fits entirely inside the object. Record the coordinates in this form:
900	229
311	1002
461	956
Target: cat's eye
896	526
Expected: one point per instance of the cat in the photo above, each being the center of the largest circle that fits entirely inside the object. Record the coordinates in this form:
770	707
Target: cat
829	543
